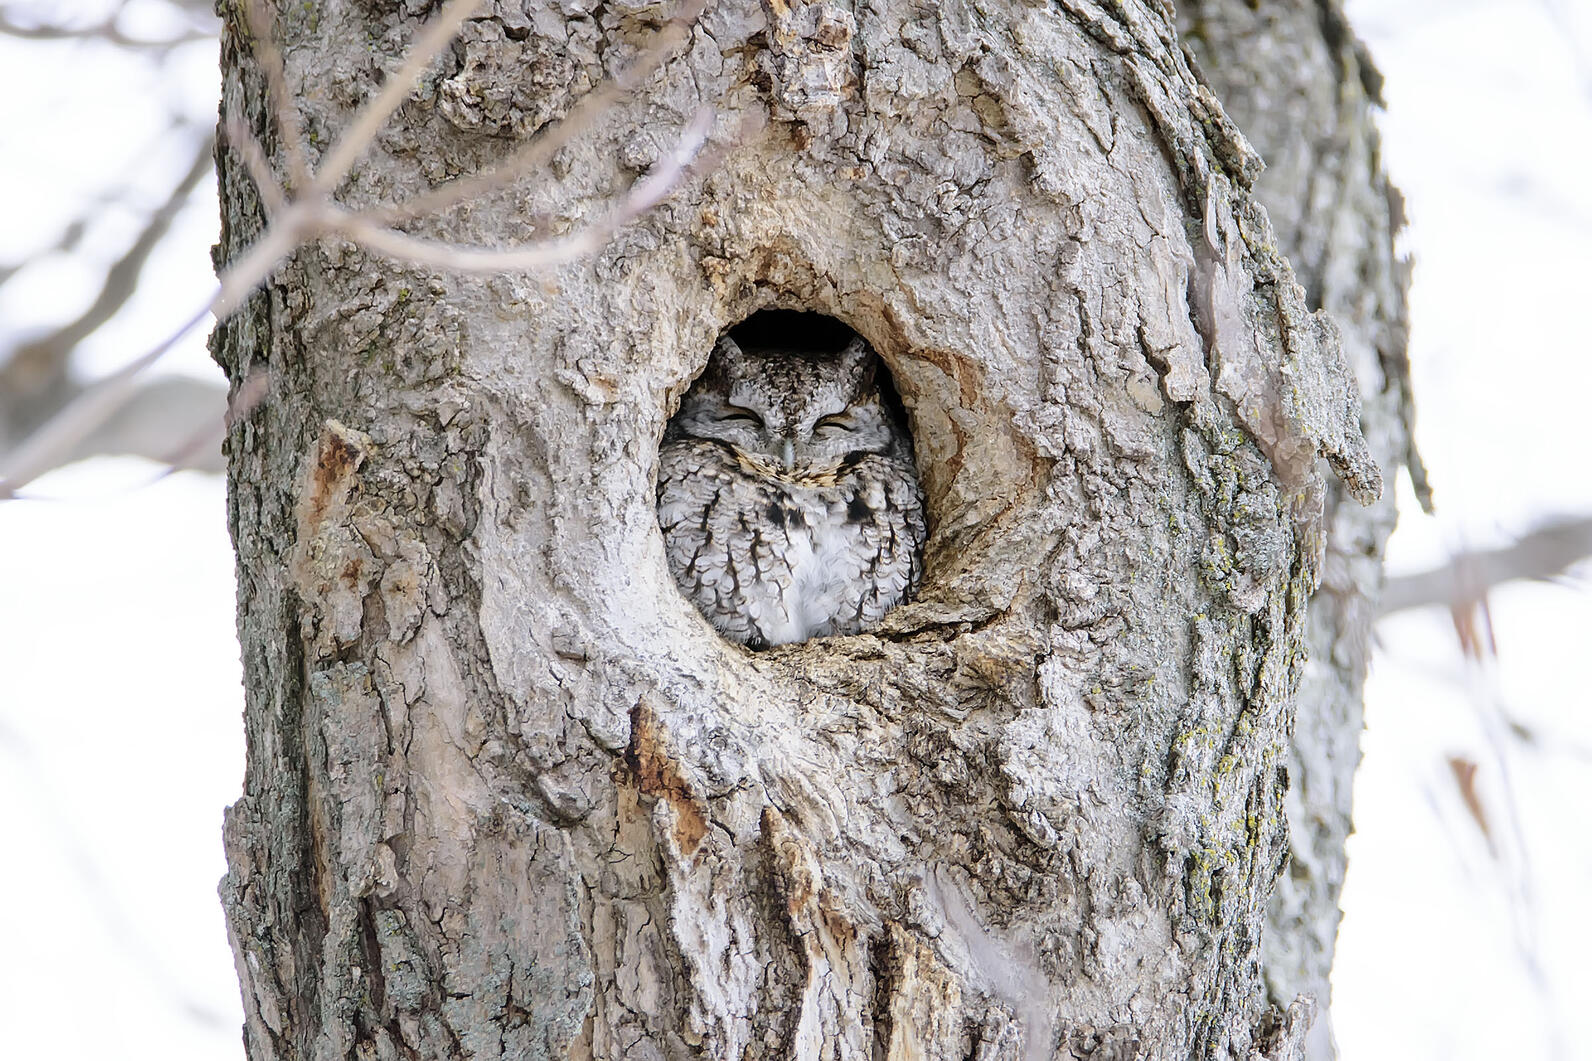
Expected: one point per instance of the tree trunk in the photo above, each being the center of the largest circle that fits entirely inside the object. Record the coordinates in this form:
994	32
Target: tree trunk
1301	86
508	794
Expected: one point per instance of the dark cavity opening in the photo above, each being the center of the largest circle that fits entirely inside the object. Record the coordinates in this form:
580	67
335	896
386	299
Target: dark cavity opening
792	329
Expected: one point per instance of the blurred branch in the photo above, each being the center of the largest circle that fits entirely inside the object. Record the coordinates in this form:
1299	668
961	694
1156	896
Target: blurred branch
108	30
35	381
1464	771
174	420
118	197
64	433
303	209
1550	549
66	243
269	58
200	448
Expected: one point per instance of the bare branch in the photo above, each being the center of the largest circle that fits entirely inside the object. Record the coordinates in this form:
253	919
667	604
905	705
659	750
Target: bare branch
47	355
242	141
1549	549
47	447
269	56
175	420
644	194
549	141
119	195
297	223
107	31
438	33
65	432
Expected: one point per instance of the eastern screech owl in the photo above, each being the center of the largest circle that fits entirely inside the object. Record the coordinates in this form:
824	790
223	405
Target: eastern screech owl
787	495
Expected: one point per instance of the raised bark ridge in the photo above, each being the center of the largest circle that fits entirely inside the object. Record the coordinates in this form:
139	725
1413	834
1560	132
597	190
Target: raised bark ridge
509	796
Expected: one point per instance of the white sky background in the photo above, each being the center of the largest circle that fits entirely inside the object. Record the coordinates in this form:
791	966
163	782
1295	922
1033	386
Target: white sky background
1447	951
120	703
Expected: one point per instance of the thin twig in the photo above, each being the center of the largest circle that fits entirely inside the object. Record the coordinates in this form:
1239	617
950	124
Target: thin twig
269	56
550	140
644	194
436	35
292	227
305	210
251	392
241	140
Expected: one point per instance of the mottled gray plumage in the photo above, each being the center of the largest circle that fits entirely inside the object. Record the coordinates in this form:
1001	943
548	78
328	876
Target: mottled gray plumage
788	497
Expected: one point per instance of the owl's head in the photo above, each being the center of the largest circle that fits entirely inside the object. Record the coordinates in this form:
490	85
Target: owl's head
796	410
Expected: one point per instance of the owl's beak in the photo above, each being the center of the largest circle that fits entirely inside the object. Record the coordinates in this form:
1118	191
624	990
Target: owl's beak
788	454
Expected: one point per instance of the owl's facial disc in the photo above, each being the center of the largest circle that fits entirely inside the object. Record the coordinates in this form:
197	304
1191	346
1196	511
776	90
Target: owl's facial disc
792	412
712	416
739	416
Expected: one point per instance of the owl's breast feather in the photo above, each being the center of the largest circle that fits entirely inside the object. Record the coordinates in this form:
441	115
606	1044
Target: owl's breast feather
772	556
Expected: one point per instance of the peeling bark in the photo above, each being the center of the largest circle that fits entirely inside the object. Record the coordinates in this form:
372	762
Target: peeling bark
510	796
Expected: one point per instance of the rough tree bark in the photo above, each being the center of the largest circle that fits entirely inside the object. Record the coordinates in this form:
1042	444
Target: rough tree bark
1299	83
509	796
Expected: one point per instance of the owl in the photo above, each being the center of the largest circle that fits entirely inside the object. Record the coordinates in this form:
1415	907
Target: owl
787	495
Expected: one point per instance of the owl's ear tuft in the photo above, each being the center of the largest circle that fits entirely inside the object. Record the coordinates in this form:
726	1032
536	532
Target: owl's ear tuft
721	364
858	363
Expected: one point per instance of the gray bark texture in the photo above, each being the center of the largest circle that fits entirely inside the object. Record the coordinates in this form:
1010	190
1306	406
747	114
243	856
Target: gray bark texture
1299	83
509	796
